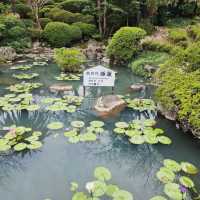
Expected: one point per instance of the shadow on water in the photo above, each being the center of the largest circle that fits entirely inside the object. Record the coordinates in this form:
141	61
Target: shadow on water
47	173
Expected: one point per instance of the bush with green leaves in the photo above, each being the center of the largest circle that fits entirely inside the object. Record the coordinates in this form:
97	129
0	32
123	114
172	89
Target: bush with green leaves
23	10
74	5
16	32
178	35
194	32
57	34
153	45
87	29
125	43
154	59
76	33
35	33
69	60
44	22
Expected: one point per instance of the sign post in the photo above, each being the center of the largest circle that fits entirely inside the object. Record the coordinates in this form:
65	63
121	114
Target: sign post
99	76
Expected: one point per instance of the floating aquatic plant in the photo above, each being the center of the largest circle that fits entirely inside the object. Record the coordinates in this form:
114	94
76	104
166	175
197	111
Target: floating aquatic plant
19	139
68	77
141	104
99	189
22	67
25	76
142	131
80	133
55	125
14	102
39	63
24	87
177	188
67	103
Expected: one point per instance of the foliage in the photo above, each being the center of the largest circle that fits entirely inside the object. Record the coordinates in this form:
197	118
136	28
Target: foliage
23	10
125	43
35	33
140	132
69	60
176	178
178	36
153	45
68	77
25	76
194	32
19	139
100	189
80	133
87	29
57	34
148	58
44	22
76	33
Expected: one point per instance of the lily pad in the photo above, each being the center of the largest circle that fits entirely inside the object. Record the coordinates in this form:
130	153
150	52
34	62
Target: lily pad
77	124
74	139
99	188
34	145
165	175
55	125
189	168
111	189
4	146
74	186
132	133
151	139
137	139
186	181
122	125
97	124
71	133
119	130
172	165
88	137
164	140
20	146
172	191
79	196
102	174
122	195
149	122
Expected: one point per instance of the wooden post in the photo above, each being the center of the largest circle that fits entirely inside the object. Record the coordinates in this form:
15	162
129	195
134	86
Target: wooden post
113	88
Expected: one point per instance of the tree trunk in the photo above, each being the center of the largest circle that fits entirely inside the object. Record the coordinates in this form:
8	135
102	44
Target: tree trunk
105	18
99	16
37	17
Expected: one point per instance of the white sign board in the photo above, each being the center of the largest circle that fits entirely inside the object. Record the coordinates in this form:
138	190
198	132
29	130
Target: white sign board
99	76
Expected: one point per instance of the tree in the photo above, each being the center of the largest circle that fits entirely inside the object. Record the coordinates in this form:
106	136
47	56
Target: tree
36	6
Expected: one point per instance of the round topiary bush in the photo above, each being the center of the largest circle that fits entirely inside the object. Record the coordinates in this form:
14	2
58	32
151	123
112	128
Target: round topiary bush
125	44
57	34
87	29
76	33
44	22
23	10
16	32
69	60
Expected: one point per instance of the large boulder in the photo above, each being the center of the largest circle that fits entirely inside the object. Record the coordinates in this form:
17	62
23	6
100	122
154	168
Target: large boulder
8	53
60	88
109	106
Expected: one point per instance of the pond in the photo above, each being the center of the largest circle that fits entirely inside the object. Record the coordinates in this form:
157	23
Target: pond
47	173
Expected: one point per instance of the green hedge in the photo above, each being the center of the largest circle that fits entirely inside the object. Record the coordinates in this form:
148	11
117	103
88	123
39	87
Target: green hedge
125	43
194	32
44	22
76	33
23	10
58	34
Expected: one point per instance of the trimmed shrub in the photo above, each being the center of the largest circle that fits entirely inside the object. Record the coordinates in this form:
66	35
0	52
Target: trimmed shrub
177	35
44	22
57	34
76	33
35	33
194	32
152	45
28	23
57	14
20	44
16	32
69	60
74	5
23	10
87	29
125	43
147	26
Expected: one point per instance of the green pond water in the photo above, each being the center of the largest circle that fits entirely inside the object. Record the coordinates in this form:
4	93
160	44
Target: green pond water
47	173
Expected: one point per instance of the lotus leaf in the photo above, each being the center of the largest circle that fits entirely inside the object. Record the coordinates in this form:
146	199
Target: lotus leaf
25	76
77	124
48	100
165	175
34	145
151	139
99	188
68	77
122	195
79	196
132	133
32	138
102	174
189	168
149	122
74	139
119	130
37	133
74	186
111	189
20	146
37	63
122	125
172	191
164	140
158	198
21	67
88	137
33	107
172	165
137	139
186	181
71	133
55	125
97	124
4	146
